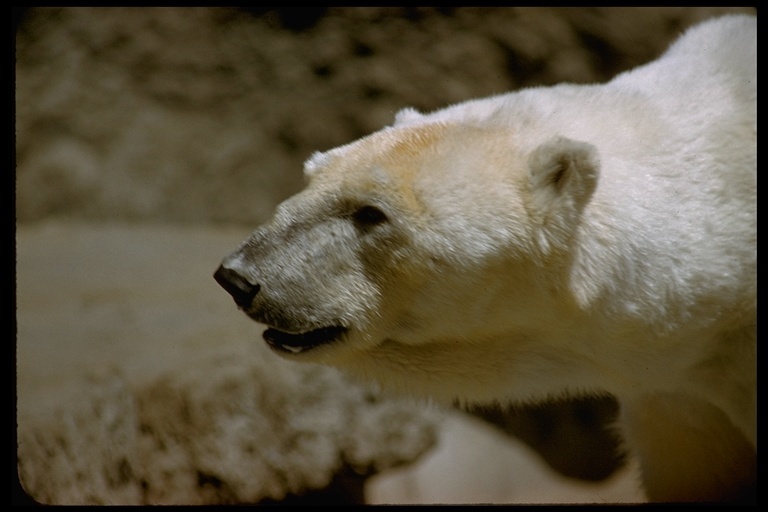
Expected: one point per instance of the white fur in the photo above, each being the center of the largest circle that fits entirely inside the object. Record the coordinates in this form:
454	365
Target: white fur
570	239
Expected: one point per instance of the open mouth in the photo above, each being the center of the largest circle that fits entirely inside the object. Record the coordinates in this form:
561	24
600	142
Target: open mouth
295	343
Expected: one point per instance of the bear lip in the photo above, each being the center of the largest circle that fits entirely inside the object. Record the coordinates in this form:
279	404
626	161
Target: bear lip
294	343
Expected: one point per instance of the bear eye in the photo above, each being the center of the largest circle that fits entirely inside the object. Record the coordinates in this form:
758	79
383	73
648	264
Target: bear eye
369	216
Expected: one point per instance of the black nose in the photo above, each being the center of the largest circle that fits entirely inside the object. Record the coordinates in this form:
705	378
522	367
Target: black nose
237	286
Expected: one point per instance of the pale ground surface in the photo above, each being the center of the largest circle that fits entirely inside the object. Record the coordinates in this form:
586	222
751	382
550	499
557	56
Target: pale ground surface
477	464
142	299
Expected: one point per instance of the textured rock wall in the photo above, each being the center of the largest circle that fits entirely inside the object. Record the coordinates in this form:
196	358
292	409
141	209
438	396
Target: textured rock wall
199	114
246	433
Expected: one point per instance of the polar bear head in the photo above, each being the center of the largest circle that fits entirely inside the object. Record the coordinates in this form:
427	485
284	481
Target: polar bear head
423	237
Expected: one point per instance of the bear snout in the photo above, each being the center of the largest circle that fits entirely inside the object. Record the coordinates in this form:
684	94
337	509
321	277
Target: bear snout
242	290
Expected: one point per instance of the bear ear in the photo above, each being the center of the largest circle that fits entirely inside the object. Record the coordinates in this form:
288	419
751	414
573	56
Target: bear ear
407	115
563	176
315	161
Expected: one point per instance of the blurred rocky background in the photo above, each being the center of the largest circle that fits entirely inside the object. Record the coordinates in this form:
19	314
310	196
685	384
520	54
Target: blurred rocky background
206	114
148	142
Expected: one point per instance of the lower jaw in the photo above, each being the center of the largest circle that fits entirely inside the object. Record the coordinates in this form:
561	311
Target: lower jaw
298	343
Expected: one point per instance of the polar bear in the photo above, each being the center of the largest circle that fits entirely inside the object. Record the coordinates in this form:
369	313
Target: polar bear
567	240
